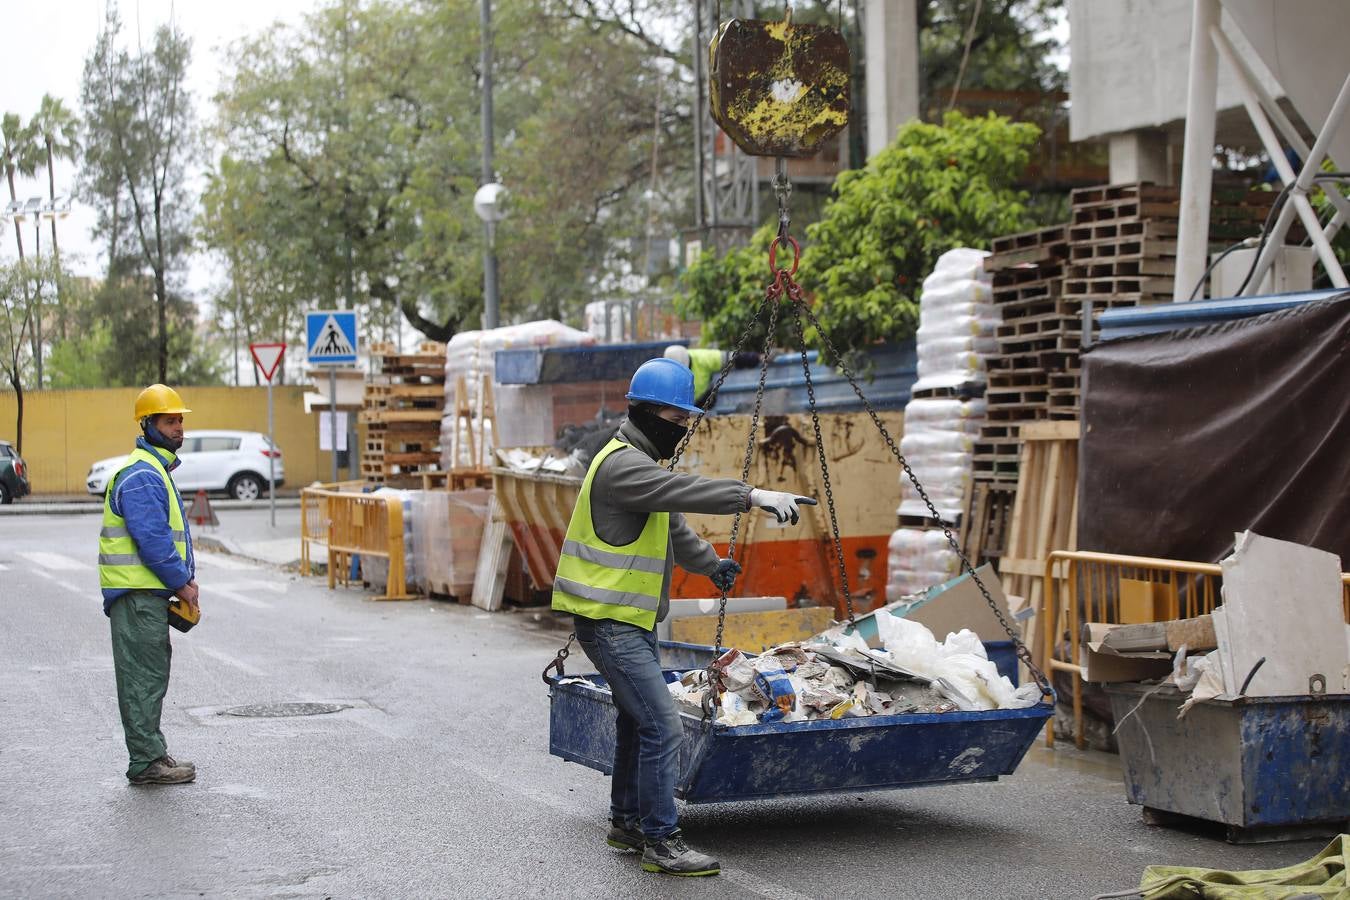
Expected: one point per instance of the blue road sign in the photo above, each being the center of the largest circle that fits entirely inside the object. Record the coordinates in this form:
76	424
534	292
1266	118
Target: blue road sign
330	336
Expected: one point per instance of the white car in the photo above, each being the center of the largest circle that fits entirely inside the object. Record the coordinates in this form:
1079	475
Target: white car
235	462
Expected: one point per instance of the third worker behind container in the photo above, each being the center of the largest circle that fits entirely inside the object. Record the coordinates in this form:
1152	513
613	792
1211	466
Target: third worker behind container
626	533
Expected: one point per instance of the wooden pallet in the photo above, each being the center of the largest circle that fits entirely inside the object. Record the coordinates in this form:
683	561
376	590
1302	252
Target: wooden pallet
984	527
1044	514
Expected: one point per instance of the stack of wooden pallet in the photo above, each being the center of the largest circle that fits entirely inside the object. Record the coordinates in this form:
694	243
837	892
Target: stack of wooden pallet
403	407
1035	342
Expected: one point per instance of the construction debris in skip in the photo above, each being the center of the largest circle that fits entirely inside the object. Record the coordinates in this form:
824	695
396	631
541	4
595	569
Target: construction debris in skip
836	675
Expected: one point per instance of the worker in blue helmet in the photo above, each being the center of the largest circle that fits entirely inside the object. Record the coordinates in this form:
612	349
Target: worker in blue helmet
626	534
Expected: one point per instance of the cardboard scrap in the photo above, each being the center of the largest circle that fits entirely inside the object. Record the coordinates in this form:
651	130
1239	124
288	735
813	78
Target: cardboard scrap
1102	663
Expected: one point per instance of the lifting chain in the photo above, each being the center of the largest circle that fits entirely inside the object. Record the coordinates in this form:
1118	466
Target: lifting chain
1023	652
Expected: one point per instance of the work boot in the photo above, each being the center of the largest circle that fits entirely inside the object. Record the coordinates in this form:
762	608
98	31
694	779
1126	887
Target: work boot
165	771
674	857
176	763
625	836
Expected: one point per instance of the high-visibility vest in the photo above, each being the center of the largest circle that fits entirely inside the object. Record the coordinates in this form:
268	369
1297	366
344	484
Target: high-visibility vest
119	563
599	580
705	364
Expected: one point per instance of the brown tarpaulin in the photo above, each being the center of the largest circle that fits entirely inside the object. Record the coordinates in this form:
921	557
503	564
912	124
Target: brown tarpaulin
1193	435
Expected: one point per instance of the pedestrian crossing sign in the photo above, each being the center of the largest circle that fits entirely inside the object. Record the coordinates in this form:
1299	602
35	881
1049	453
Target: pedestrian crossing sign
330	336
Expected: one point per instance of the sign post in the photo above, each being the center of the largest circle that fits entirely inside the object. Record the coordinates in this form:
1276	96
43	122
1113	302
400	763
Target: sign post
267	357
330	336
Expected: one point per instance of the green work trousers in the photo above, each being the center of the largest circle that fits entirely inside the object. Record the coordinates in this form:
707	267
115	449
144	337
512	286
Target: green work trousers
141	651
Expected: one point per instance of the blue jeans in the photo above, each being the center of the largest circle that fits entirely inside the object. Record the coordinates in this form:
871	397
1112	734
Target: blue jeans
647	748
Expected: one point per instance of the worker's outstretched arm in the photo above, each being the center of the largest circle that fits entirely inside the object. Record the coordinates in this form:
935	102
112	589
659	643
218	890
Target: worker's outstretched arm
634	482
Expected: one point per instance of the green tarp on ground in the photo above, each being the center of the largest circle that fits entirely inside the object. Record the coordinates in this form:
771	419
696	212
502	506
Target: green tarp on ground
1323	876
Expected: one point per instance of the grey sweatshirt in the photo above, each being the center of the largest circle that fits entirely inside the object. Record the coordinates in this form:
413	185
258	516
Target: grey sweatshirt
630	484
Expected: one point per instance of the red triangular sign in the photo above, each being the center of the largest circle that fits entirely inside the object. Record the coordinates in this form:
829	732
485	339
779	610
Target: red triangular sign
267	357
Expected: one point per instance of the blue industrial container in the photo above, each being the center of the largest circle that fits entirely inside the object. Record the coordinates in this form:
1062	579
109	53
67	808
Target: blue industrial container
569	365
782	759
886	375
1268	768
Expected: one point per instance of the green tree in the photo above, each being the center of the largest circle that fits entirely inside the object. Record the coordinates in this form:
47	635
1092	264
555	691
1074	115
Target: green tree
139	137
360	127
20	286
1011	47
55	126
935	188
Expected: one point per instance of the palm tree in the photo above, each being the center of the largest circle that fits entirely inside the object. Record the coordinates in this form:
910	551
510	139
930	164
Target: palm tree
19	156
55	125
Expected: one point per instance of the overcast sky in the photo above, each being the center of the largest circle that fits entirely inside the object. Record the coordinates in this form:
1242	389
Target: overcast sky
45	46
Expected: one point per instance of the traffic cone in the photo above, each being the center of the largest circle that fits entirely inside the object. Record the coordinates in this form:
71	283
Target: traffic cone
199	511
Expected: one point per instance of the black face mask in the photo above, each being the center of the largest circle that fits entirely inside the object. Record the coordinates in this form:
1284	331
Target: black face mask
663	433
158	439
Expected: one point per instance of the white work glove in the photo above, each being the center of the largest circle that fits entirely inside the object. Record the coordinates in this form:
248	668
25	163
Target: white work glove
782	505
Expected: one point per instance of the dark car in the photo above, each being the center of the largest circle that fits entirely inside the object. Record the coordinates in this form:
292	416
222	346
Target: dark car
13	474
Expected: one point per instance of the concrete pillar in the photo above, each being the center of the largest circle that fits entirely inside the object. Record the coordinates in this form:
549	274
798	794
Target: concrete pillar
891	48
1139	156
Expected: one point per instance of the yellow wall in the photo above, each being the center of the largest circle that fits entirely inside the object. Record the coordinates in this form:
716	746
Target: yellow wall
64	432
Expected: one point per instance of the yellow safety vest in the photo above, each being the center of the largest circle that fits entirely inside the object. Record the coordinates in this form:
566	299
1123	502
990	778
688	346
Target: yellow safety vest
705	364
603	581
119	563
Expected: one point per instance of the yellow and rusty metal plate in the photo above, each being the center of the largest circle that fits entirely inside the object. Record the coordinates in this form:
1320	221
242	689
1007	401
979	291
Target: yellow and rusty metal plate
779	89
754	631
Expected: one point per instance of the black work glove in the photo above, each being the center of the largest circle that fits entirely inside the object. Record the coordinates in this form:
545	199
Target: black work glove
724	578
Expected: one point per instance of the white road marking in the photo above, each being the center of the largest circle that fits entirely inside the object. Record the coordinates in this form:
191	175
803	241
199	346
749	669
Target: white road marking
211	591
545	797
216	561
269	586
56	561
61	582
229	660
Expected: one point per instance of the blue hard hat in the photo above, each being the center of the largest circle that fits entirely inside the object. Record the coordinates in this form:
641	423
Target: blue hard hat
665	383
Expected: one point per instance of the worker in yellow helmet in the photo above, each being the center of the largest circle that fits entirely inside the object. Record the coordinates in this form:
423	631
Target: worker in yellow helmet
145	561
705	363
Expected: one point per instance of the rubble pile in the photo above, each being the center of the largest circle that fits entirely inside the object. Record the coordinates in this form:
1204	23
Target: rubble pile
837	675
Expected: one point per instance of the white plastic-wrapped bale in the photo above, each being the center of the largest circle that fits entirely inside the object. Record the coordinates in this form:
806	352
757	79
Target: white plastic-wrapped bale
471	355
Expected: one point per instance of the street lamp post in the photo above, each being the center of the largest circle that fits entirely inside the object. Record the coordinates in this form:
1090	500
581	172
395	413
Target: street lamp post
485	200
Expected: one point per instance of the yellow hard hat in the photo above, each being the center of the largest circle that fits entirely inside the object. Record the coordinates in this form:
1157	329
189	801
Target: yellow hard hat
158	399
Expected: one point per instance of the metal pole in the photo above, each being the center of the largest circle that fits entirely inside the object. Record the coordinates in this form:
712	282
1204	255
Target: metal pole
271	458
491	304
1298	182
332	418
699	55
1197	177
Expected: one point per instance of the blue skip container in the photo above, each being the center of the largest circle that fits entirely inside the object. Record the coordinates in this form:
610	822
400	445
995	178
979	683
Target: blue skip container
784	759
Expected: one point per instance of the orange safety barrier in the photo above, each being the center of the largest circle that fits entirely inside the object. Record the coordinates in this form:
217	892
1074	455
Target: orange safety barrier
314	516
1083	586
366	525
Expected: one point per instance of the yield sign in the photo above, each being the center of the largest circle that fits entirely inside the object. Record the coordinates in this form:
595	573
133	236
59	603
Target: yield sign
267	357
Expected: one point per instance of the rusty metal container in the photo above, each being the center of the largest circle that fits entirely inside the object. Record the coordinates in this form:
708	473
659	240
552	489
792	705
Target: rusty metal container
796	562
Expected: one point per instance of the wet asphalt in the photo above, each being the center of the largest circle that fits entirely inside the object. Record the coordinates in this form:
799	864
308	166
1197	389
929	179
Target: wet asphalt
436	781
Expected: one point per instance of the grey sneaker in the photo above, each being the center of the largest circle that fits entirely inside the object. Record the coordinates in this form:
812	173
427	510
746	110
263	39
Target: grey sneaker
164	771
625	836
674	857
